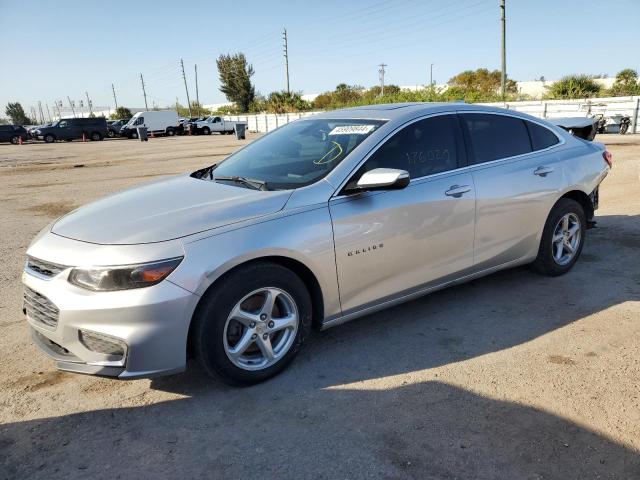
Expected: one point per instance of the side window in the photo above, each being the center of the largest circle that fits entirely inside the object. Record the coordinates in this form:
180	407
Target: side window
426	147
216	120
541	137
63	124
496	136
139	121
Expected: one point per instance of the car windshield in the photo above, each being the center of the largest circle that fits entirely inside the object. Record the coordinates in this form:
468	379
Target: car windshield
295	155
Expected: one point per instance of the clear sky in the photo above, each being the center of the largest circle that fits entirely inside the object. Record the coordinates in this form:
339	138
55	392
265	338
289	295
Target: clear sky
52	50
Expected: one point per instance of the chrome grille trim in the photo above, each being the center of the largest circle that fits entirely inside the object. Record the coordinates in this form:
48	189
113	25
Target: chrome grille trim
43	268
40	308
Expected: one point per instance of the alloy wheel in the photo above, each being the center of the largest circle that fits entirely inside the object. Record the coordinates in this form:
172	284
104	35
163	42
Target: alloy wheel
566	238
261	329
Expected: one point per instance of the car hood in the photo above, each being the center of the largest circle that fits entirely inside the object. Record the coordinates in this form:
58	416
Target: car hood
165	210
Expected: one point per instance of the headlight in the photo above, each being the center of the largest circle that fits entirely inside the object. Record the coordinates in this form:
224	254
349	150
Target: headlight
123	277
37	132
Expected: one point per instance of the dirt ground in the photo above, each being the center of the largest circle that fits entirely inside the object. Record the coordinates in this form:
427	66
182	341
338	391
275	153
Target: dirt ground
513	376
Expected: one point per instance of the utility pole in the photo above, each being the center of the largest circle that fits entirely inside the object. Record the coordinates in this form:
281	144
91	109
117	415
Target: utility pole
89	104
286	57
113	89
431	76
40	109
503	45
49	114
197	95
34	115
177	104
71	105
381	72
185	87
144	92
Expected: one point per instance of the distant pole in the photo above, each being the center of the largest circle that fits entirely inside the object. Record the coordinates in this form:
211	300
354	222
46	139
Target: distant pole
89	104
431	76
197	95
503	45
113	89
184	77
382	72
40	109
286	57
71	105
34	115
144	92
49	114
177	104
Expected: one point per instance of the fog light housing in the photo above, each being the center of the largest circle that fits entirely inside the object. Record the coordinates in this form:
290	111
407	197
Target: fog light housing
104	344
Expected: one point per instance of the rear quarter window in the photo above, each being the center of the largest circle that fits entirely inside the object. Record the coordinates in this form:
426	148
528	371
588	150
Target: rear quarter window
541	137
494	136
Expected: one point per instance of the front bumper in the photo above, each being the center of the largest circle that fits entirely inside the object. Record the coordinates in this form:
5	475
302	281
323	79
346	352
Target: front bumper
153	322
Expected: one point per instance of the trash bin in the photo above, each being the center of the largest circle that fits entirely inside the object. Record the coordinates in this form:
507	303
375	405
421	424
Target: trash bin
240	128
142	134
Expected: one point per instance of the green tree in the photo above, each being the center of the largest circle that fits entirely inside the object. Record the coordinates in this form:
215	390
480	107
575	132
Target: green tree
573	86
481	82
626	83
282	102
235	80
16	113
121	113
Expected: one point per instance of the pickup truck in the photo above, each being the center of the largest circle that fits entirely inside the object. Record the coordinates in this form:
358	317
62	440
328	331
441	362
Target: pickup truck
213	124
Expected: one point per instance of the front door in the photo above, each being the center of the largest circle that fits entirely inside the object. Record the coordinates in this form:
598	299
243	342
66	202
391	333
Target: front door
391	243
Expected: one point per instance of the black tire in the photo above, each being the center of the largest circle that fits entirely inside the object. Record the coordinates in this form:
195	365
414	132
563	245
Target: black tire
208	327
623	128
111	133
170	132
96	136
133	135
206	131
49	138
546	263
15	139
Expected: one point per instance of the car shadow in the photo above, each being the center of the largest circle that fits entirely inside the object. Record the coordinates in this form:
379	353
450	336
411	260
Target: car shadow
316	421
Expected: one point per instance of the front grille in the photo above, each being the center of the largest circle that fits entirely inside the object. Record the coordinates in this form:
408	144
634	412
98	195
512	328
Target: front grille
40	308
47	269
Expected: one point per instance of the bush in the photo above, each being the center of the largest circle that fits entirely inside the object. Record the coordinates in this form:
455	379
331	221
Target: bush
574	86
121	113
626	83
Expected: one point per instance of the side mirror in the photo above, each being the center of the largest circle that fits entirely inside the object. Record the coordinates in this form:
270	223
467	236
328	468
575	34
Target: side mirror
381	179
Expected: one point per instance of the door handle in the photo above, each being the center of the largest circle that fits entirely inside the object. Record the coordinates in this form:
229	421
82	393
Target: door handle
543	171
457	190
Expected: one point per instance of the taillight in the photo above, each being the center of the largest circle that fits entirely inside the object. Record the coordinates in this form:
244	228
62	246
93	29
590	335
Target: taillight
608	157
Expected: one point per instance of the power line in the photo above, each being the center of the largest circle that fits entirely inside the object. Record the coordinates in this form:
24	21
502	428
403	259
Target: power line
185	87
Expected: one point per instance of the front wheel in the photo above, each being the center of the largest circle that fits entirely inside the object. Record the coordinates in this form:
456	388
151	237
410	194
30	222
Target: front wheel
562	238
133	135
624	128
15	139
249	327
170	132
49	138
206	131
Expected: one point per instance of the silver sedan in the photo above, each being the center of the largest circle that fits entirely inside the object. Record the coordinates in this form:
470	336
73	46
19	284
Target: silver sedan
324	220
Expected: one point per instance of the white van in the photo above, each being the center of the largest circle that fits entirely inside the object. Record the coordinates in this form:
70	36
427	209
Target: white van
160	122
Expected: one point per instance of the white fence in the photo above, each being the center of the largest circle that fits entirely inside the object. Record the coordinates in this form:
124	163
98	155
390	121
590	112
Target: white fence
539	108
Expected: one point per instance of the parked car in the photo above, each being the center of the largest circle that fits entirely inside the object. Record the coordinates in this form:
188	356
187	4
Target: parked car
72	129
321	221
158	122
213	124
114	127
13	134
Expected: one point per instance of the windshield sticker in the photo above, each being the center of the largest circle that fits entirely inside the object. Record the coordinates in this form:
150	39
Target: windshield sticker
352	130
333	154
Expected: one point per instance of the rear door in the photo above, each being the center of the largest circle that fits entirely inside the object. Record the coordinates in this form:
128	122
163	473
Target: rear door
516	184
395	242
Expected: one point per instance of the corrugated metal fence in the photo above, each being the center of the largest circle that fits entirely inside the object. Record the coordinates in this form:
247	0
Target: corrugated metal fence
540	108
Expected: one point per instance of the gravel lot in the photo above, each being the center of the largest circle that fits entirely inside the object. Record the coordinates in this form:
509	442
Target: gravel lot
512	376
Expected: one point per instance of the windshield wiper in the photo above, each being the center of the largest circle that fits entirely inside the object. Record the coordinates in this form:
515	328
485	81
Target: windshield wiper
249	182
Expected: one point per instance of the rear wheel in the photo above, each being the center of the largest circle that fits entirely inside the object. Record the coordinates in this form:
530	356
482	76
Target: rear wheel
250	326
623	128
562	238
49	138
111	133
96	136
